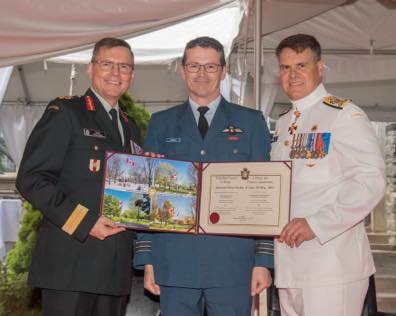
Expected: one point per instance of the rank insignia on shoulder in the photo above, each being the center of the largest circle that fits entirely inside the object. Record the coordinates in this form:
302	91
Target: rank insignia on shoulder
94	165
335	102
232	130
68	97
53	107
89	103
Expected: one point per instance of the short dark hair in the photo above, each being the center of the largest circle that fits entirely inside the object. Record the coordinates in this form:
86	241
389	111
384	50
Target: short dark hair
110	42
299	43
205	42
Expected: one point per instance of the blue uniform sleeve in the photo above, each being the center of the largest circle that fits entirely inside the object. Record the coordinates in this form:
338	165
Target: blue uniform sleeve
143	243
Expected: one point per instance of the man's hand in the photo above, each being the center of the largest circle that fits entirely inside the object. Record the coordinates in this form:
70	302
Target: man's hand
296	232
105	227
261	279
149	281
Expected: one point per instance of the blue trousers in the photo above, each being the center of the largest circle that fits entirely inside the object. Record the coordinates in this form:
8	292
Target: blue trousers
229	301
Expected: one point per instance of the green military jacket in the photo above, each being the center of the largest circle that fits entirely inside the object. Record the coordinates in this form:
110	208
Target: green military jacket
61	174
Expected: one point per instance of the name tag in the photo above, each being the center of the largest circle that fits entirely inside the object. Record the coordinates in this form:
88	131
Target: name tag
94	133
173	140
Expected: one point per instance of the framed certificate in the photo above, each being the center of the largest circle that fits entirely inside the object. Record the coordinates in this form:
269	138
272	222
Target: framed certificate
222	198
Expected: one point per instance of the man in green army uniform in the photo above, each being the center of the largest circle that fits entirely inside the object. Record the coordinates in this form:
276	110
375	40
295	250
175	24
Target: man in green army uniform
82	260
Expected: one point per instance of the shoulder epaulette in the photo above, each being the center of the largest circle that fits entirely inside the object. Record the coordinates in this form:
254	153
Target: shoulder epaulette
58	103
68	97
284	112
54	107
335	102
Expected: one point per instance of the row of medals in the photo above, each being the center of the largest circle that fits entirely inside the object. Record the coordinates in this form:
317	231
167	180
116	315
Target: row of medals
299	151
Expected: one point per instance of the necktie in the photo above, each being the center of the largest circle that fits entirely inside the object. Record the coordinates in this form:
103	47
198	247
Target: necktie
114	120
203	125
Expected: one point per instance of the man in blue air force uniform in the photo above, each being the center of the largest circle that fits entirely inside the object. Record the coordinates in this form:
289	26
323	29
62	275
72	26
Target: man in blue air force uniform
190	271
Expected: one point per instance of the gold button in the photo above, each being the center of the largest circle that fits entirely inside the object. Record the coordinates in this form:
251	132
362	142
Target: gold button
286	142
96	147
203	152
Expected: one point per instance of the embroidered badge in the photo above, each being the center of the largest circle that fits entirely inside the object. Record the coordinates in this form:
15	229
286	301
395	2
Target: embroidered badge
94	165
89	103
232	131
94	133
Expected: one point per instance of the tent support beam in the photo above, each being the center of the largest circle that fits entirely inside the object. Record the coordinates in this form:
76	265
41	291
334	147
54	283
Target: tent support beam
347	51
24	85
257	55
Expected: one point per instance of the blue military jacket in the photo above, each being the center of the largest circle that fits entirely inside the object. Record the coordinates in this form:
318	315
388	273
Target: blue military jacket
205	261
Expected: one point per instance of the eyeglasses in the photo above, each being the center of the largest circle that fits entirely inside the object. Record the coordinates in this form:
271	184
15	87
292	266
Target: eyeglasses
197	67
108	66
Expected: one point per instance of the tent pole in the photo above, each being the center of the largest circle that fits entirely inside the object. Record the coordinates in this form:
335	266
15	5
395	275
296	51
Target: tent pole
257	55
73	76
24	85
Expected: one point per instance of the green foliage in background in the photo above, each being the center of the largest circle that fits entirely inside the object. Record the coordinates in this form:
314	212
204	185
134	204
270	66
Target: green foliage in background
136	111
16	297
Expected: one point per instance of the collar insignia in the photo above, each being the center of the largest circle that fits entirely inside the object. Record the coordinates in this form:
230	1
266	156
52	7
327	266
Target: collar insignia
89	103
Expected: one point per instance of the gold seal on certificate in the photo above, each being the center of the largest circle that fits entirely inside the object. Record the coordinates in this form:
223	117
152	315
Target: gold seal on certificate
230	198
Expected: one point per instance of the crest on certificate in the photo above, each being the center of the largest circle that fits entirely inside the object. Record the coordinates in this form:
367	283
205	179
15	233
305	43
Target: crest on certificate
245	174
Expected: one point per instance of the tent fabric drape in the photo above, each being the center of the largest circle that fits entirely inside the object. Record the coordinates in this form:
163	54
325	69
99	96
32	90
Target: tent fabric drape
166	44
16	124
31	30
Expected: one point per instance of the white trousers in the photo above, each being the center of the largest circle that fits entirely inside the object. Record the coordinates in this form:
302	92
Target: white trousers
335	300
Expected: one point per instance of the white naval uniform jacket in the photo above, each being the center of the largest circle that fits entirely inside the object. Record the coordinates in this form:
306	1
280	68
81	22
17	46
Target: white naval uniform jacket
334	193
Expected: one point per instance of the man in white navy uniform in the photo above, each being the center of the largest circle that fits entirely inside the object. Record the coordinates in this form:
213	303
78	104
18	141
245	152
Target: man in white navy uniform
322	257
